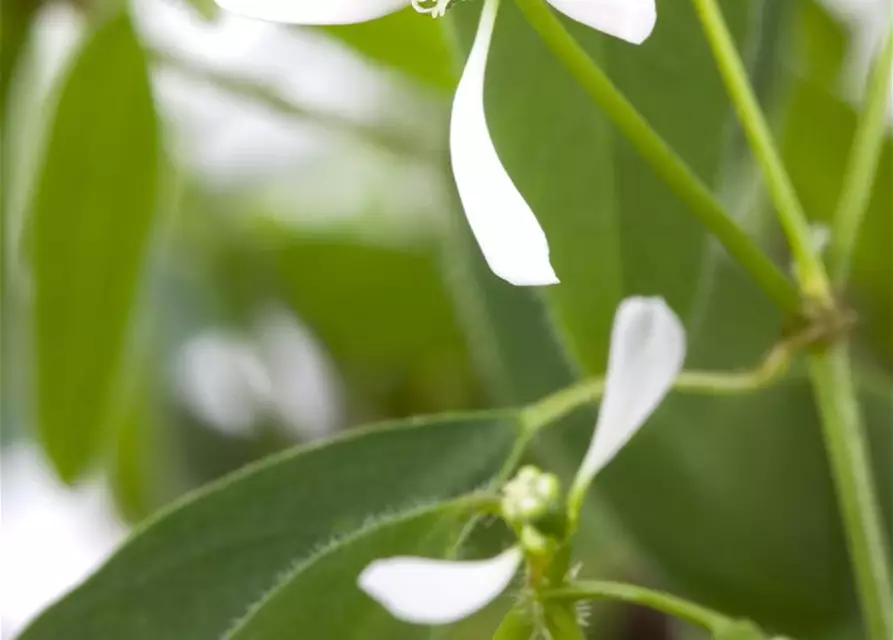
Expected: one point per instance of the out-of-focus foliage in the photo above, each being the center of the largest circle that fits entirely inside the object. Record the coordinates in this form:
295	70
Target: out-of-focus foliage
91	222
122	275
416	47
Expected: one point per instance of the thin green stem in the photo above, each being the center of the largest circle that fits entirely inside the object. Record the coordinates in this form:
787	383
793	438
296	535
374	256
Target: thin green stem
665	162
809	267
851	470
865	155
656	600
552	408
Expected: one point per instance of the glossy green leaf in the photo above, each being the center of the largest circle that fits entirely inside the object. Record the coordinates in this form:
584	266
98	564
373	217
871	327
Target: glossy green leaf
199	567
409	42
320	597
91	222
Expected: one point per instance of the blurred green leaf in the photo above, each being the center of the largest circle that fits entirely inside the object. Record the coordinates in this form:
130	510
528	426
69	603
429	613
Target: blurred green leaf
14	26
511	339
207	9
92	218
821	44
517	625
739	630
197	568
331	281
411	43
320	597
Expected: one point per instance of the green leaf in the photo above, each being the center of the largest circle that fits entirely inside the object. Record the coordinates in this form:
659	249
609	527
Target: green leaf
517	625
207	9
739	630
821	44
398	290
92	217
613	227
407	41
507	327
320	597
200	566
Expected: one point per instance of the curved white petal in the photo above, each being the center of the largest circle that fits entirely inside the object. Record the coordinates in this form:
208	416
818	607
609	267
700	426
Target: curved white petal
647	352
313	12
630	20
508	233
428	591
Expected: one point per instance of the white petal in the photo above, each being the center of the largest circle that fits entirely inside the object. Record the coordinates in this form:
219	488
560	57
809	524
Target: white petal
630	20
508	233
313	12
428	591
647	352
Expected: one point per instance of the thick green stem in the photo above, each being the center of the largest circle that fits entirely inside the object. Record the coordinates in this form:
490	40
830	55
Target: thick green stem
851	470
865	155
665	162
810	270
656	600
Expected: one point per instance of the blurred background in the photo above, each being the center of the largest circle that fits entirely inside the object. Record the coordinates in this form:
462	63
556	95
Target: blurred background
296	283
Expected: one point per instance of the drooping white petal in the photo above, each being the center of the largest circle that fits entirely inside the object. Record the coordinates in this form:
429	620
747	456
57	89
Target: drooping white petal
508	233
647	352
313	12
426	591
630	20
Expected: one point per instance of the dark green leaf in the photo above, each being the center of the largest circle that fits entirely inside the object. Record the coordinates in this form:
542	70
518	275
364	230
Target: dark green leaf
92	219
199	567
320	597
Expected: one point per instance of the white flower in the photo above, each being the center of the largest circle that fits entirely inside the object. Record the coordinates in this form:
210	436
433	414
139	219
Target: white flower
428	591
647	351
506	229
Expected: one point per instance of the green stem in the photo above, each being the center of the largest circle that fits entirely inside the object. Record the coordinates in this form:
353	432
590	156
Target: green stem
810	270
552	408
665	162
831	372
865	155
851	470
656	600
